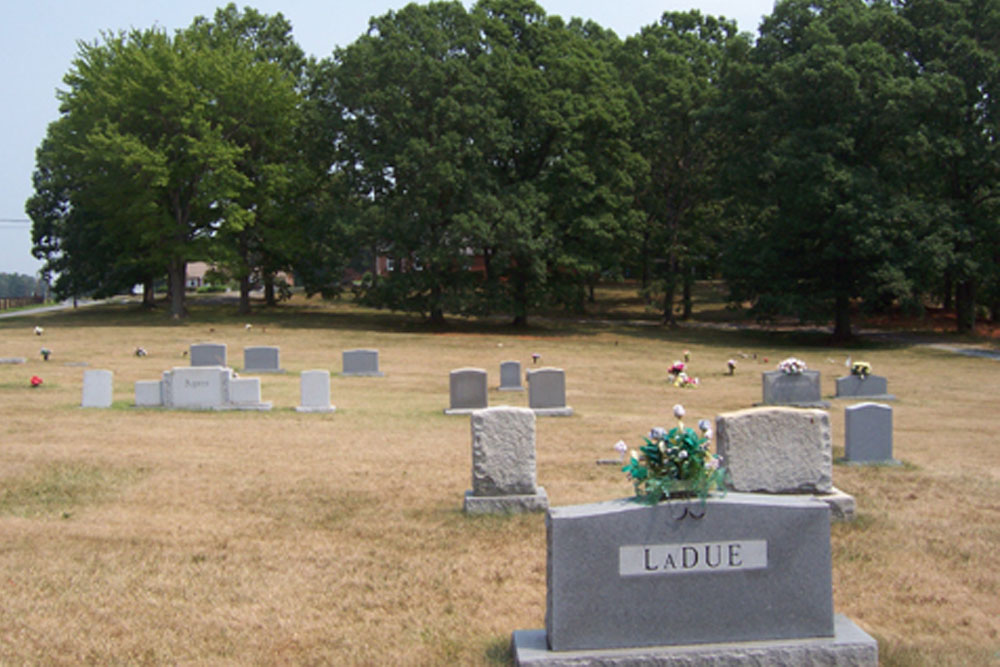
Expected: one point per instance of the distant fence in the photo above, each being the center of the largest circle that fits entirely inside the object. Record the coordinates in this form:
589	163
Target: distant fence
6	303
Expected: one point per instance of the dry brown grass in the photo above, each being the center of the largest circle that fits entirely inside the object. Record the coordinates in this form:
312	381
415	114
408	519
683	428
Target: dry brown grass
145	536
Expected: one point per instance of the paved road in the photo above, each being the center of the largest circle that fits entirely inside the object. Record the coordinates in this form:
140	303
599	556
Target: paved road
65	305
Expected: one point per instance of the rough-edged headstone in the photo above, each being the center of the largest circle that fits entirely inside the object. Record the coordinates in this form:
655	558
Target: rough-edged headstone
856	386
510	376
466	391
97	386
314	392
361	362
868	433
776	450
262	359
503	462
739	579
795	389
208	354
148	393
547	392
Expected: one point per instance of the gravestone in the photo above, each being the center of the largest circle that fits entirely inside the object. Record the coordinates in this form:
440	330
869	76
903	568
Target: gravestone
547	392
780	450
510	376
97	387
201	388
503	463
262	359
148	393
740	579
795	389
208	354
856	386
13	360
868	434
314	392
361	362
467	391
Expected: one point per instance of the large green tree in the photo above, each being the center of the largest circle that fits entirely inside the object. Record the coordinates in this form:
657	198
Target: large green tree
151	146
819	131
675	68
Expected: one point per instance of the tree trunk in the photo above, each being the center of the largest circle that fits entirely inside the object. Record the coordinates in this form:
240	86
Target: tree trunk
842	318
148	293
244	308
269	290
688	304
965	305
948	291
520	300
176	274
669	287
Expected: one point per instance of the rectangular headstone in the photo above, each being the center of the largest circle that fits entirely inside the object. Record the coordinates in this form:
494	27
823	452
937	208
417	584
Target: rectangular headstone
314	392
148	393
510	376
503	462
208	354
868	433
776	450
739	568
466	390
361	362
855	386
547	392
244	391
792	388
96	389
196	387
262	359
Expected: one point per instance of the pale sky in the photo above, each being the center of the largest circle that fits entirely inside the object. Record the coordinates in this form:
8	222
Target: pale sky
38	42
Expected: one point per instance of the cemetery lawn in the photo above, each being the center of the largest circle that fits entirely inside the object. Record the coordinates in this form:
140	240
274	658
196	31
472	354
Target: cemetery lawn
148	536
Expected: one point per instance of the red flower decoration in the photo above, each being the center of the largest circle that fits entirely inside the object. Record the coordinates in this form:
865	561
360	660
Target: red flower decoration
35	380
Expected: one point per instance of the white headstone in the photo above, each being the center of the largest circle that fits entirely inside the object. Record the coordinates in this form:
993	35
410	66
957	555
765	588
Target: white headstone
148	393
314	392
97	387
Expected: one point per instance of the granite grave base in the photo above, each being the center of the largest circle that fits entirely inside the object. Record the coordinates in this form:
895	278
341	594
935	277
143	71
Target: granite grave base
510	504
850	645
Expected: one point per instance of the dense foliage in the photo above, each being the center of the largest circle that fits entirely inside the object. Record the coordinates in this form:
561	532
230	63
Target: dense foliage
496	159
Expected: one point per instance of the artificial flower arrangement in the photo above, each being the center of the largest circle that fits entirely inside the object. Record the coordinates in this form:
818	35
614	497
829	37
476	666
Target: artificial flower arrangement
676	368
45	352
35	381
674	462
731	365
792	366
861	368
683	381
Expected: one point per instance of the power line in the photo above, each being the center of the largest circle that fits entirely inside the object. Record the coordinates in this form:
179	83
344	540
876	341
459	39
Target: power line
21	221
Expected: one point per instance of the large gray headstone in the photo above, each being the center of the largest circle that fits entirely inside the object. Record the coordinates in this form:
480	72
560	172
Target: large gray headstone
97	387
856	386
802	389
208	354
262	359
547	392
776	450
868	433
314	392
466	390
361	362
510	376
751	568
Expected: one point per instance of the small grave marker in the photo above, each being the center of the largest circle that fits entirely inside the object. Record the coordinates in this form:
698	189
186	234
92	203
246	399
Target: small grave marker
510	376
466	390
868	434
262	359
361	362
314	392
97	389
547	392
208	354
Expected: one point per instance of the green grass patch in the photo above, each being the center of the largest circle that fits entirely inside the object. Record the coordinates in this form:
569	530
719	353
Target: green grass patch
59	488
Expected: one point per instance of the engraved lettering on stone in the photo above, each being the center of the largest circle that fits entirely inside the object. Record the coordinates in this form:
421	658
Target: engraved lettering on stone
694	557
